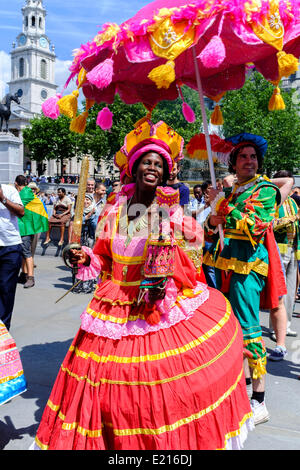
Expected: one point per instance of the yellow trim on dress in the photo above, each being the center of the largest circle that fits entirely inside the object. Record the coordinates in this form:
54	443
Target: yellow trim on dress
116	302
232	434
156	357
113	319
11	377
187	293
151	431
154	382
180	422
126	283
128	260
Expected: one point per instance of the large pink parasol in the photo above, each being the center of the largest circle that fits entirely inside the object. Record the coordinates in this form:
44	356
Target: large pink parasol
204	44
225	36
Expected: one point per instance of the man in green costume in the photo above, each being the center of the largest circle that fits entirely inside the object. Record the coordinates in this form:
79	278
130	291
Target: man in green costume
246	212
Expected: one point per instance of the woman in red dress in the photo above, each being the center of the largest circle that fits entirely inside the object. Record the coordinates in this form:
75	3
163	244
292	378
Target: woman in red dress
158	360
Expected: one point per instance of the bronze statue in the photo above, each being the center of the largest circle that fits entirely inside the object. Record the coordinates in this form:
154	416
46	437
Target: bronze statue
5	111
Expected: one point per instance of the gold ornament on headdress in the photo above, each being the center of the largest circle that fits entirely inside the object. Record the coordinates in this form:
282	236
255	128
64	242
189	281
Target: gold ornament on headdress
159	132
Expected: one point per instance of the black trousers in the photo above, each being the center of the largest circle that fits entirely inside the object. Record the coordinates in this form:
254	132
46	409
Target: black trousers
10	264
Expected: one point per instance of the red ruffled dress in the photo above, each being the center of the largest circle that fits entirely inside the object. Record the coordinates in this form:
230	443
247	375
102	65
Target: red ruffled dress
126	384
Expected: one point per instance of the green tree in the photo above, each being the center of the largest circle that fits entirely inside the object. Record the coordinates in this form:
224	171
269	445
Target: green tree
171	113
104	144
48	139
246	110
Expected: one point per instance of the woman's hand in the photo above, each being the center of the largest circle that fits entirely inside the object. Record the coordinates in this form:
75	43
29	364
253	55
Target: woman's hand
156	294
79	257
215	220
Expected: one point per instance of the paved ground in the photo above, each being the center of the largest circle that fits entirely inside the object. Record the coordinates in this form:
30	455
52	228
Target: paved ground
43	331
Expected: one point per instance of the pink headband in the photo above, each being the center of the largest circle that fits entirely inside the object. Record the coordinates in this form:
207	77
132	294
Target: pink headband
151	147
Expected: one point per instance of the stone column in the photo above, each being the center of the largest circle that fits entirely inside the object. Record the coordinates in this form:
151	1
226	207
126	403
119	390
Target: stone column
11	158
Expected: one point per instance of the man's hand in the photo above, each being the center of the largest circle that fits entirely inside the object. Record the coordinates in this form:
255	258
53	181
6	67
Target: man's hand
215	220
212	193
1	194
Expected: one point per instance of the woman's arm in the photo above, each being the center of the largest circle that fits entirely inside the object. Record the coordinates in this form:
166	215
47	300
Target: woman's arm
59	216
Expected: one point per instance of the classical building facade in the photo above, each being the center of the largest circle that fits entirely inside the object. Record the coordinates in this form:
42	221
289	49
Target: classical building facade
32	70
33	79
33	59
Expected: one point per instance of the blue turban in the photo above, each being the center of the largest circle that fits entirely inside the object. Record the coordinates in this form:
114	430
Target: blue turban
244	137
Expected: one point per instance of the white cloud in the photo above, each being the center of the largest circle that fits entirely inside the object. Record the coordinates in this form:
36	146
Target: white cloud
4	72
62	73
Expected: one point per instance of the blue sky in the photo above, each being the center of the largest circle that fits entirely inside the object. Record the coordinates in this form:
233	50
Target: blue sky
69	23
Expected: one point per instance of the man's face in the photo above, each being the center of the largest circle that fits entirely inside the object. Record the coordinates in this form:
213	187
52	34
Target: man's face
174	172
90	186
246	165
198	193
116	186
101	191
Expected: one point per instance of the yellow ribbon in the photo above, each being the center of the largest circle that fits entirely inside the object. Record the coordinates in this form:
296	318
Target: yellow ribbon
259	369
242	225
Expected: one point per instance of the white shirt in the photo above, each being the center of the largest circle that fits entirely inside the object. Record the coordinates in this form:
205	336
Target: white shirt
194	206
9	228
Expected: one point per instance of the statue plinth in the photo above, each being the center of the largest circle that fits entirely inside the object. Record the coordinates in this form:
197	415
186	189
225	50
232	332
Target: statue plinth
11	157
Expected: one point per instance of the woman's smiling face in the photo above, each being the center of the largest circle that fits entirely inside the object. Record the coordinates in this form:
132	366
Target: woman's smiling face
150	171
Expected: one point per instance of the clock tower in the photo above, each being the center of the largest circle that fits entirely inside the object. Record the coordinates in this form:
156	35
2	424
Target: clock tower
33	60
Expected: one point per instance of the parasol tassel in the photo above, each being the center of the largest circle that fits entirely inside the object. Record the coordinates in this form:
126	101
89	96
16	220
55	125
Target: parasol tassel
188	113
78	124
276	102
152	314
287	64
163	75
50	108
101	75
213	53
217	117
68	104
105	119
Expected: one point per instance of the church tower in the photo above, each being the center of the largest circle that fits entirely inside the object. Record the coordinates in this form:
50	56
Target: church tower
33	60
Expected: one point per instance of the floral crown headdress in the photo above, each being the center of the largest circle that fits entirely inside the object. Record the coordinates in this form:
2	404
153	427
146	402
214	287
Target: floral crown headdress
149	137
